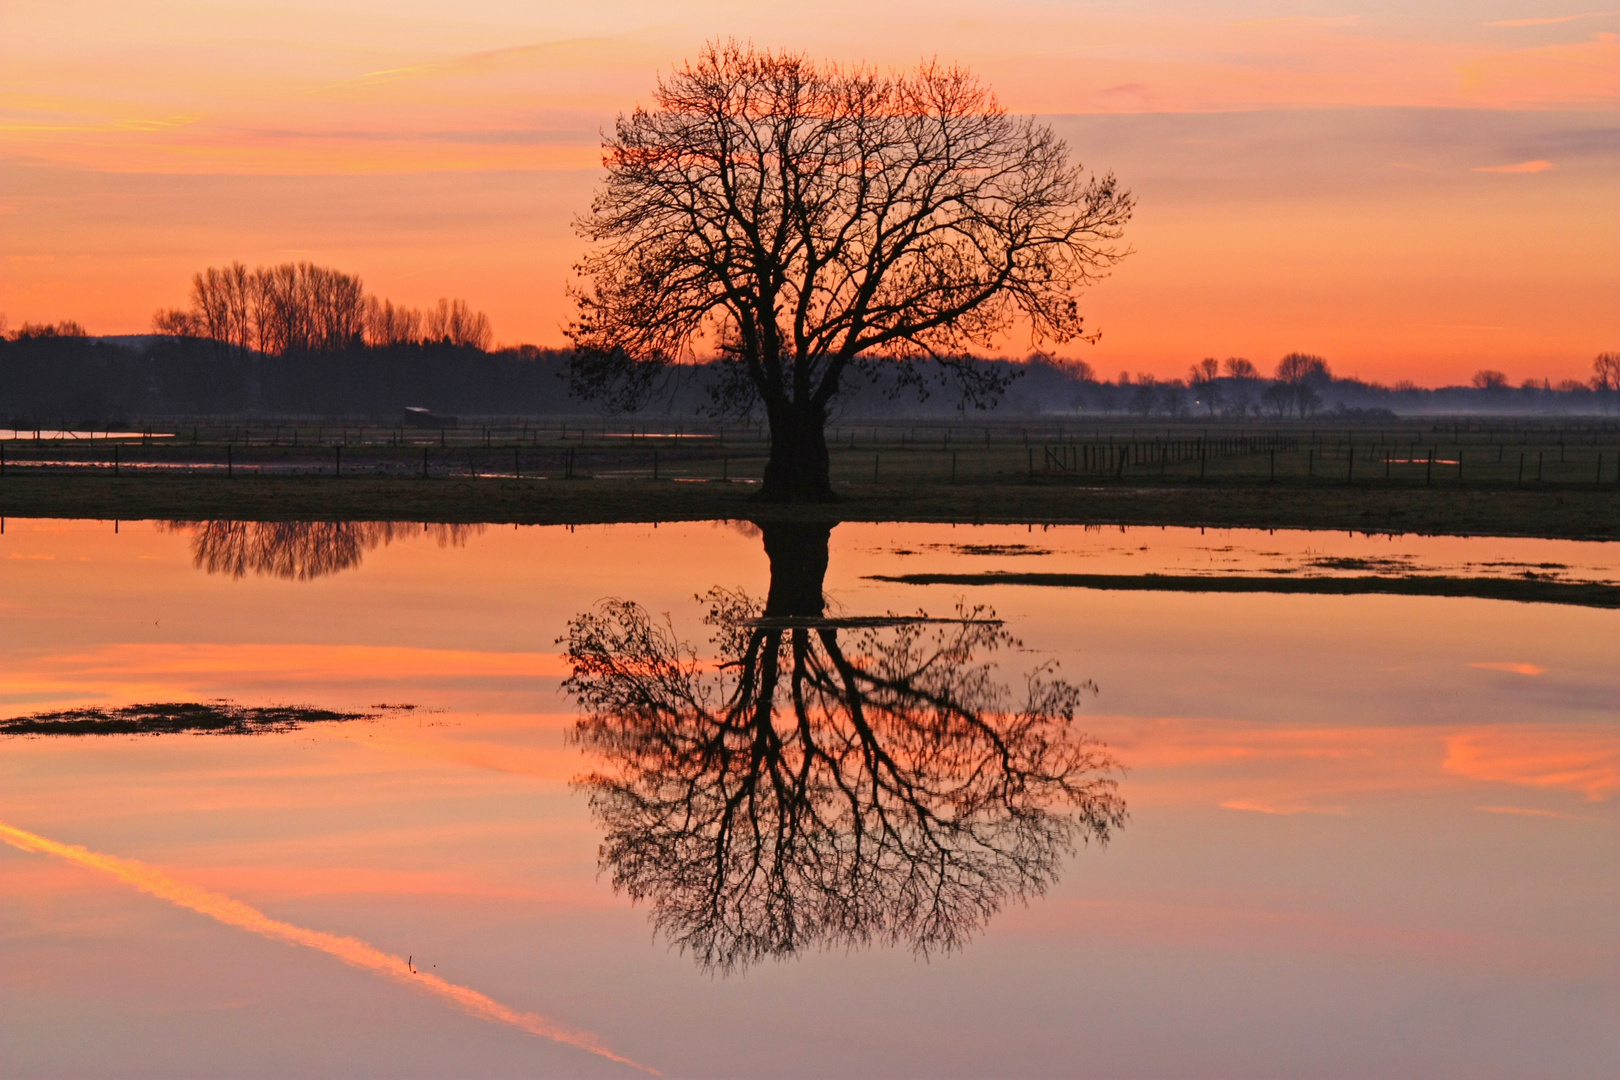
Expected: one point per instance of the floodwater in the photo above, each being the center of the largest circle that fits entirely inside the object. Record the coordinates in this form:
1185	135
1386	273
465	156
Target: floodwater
1282	836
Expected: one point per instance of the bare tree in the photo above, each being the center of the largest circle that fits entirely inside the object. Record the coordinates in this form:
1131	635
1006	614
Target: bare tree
1202	377
1606	371
1305	376
1243	386
1606	377
388	325
455	323
812	217
1486	379
301	308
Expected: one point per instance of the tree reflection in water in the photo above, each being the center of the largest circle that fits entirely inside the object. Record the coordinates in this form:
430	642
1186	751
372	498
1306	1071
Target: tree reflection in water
829	781
300	550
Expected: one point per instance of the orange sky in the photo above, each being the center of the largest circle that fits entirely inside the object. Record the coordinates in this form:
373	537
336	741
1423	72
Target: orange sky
1409	193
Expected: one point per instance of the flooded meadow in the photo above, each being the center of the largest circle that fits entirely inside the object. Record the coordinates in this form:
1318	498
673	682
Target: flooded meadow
736	799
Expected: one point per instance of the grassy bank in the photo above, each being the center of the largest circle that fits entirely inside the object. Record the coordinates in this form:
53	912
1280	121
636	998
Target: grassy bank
1569	513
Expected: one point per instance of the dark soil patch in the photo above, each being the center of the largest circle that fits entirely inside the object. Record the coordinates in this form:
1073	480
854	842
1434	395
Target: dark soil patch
166	718
1582	594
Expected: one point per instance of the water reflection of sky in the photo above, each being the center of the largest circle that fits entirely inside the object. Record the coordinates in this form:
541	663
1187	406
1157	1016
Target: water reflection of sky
1369	835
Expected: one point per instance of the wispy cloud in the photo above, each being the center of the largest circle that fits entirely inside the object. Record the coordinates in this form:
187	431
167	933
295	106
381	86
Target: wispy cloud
1526	811
482	63
1550	19
1505	665
1579	759
1517	167
350	950
1258	807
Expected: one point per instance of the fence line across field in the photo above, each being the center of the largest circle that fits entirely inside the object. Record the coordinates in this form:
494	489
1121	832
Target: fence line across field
1512	453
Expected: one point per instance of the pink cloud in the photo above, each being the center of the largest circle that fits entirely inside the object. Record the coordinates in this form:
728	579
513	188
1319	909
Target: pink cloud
1521	167
1549	20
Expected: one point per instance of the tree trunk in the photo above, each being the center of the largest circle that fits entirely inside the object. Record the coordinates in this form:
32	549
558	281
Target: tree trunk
799	468
798	555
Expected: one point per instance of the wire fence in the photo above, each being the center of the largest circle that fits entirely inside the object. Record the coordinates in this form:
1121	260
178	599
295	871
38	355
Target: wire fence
1416	453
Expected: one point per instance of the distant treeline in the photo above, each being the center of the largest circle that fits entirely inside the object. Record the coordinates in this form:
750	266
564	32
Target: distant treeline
57	374
300	308
304	340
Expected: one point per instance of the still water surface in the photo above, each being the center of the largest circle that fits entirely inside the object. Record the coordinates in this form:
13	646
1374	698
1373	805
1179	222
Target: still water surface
1283	835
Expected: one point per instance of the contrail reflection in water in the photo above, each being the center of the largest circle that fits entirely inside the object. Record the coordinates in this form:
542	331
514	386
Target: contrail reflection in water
350	950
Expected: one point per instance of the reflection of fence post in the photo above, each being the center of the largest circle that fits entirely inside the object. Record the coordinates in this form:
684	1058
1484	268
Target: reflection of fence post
228	463
655	464
115	462
517	465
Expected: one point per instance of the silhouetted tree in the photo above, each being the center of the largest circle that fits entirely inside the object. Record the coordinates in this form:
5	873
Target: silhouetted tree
828	781
806	218
1606	377
454	323
1243	386
1305	376
301	309
387	325
1488	380
1202	377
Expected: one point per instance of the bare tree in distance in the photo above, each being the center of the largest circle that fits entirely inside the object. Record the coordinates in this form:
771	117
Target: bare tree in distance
1606	377
454	323
1202	378
387	325
301	308
1304	376
1242	387
1486	379
804	217
67	328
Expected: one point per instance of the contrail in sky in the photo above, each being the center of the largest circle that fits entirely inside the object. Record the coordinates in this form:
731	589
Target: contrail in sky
350	950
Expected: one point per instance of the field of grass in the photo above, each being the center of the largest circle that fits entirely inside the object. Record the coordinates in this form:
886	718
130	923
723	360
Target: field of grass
1542	478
